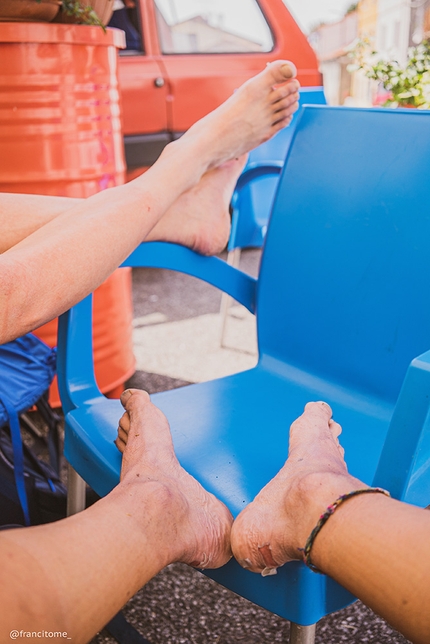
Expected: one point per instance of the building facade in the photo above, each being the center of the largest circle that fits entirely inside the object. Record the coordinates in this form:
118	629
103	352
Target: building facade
331	43
363	89
393	29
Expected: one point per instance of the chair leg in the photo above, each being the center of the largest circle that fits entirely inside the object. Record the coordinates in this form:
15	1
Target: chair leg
302	634
76	488
233	259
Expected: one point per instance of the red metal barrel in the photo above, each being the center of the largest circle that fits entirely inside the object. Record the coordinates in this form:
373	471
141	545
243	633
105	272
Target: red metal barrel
60	134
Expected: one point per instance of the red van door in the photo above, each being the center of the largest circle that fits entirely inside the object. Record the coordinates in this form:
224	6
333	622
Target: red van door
185	57
210	47
144	88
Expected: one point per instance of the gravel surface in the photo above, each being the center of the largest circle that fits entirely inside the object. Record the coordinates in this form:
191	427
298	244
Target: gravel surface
180	605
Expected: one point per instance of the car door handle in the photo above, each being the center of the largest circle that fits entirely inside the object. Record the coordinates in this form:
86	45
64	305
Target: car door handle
159	81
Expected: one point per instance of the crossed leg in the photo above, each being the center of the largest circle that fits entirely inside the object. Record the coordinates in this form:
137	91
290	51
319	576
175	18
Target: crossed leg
105	228
199	217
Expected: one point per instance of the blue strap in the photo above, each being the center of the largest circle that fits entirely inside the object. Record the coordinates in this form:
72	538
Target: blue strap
18	458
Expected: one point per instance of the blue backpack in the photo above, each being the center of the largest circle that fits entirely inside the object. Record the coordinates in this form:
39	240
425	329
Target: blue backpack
31	491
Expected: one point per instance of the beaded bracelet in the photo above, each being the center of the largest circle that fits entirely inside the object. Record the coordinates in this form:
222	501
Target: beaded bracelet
325	517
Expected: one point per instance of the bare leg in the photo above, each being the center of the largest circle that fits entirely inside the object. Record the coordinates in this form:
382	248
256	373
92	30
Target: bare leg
31	212
376	547
74	575
21	215
206	544
70	256
199	218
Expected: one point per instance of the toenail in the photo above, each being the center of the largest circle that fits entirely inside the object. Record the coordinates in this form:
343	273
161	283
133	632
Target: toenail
268	572
126	395
289	69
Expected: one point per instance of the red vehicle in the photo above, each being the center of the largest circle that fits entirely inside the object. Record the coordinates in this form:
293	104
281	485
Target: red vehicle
184	57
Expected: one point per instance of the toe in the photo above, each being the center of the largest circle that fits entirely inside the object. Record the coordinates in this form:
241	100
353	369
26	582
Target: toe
125	396
320	409
130	398
281	70
124	422
286	107
122	435
335	428
120	445
286	90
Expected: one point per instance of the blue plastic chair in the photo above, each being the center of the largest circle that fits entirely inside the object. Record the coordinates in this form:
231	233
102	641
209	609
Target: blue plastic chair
253	197
343	315
253	200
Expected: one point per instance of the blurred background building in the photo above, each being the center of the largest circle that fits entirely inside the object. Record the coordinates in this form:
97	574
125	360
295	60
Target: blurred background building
390	26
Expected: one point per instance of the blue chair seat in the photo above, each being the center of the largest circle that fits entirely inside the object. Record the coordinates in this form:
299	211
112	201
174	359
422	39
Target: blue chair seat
204	419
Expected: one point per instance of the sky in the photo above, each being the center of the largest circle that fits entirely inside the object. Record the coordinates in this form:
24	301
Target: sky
308	13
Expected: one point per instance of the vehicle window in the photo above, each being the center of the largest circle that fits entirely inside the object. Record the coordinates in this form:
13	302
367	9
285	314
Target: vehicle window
125	16
212	27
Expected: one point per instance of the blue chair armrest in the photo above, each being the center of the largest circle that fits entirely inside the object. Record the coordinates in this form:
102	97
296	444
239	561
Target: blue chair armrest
256	170
78	385
244	226
76	379
409	427
213	270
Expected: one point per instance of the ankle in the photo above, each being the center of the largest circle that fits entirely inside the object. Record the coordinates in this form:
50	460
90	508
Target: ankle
157	504
318	490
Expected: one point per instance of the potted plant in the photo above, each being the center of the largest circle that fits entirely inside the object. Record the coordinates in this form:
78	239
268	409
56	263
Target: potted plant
407	86
28	10
85	12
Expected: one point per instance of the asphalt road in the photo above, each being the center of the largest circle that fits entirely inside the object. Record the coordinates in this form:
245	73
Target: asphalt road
180	605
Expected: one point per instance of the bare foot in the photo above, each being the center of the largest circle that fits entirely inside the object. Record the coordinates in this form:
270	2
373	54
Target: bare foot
200	218
199	522
253	114
274	528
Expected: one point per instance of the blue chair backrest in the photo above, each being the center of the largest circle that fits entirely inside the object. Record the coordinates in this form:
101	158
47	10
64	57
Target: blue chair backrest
255	200
345	273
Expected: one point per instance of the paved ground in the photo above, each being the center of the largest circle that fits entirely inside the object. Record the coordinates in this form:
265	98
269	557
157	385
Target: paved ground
176	342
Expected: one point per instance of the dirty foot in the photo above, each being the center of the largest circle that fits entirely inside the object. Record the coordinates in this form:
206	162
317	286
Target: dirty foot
199	522
200	218
274	528
253	114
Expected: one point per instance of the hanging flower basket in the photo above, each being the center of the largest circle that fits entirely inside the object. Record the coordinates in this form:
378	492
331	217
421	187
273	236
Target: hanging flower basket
28	10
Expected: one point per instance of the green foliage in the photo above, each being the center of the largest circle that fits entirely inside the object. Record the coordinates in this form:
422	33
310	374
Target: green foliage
84	15
409	85
352	7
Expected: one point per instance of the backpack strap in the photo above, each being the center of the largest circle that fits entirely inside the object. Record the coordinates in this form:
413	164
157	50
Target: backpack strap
18	457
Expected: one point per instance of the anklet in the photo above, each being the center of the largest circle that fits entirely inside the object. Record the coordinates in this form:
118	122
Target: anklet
327	514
